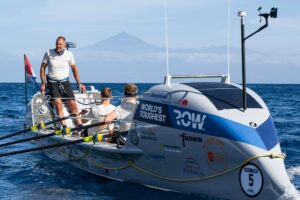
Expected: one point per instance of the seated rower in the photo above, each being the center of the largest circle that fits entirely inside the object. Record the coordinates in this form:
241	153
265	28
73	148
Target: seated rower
125	111
104	108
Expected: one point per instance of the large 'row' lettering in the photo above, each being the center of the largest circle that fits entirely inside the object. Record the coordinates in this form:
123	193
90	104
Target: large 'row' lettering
188	119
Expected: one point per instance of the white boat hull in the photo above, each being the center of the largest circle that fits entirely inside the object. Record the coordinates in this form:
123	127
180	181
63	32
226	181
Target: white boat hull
180	159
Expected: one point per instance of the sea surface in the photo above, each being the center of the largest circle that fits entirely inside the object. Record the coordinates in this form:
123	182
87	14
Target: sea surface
35	176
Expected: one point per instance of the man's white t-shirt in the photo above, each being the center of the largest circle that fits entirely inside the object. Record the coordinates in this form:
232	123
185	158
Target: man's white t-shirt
101	111
125	112
58	65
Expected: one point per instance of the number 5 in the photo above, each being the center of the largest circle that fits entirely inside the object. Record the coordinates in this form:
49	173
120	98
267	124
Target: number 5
251	181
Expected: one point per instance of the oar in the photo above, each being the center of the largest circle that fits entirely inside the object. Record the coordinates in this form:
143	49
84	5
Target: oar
58	132
86	139
41	125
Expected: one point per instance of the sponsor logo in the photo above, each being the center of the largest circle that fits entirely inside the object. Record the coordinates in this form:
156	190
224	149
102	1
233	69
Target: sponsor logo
211	156
156	156
191	166
216	157
216	154
148	134
134	137
184	102
253	124
251	180
152	112
170	148
189	119
186	137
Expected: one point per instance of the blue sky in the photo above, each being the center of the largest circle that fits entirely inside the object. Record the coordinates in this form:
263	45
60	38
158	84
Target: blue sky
31	26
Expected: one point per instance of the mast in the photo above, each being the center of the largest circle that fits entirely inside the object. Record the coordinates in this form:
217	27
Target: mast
242	14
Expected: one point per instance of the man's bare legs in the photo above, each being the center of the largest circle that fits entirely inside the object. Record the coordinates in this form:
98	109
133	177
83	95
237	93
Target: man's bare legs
74	110
73	107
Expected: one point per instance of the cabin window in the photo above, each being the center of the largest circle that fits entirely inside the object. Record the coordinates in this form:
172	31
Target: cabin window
224	96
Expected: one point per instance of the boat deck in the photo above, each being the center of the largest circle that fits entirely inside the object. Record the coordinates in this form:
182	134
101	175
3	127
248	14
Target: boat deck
102	146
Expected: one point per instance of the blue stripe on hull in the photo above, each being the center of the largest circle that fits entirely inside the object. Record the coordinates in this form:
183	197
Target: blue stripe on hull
264	136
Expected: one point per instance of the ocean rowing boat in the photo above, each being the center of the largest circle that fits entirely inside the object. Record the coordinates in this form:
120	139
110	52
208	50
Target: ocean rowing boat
185	137
195	137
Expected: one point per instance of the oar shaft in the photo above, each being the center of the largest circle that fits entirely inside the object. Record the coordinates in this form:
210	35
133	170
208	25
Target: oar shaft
61	119
42	147
50	134
47	123
88	126
14	134
27	139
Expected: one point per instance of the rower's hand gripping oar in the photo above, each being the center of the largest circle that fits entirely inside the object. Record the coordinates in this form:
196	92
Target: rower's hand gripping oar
41	125
58	132
118	136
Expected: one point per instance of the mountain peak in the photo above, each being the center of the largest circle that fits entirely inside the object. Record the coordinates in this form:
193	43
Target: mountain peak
124	35
126	42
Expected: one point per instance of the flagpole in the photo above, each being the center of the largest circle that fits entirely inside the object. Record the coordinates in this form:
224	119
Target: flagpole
25	77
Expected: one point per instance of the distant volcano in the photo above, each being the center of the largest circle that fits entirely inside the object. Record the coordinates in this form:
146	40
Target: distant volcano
124	42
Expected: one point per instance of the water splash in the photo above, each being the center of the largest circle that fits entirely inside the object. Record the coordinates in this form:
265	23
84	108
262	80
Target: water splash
293	172
291	193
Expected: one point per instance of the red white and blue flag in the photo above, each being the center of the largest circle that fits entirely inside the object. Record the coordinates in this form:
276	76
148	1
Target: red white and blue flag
30	75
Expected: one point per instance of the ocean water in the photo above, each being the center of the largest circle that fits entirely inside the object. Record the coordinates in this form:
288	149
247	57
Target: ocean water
34	176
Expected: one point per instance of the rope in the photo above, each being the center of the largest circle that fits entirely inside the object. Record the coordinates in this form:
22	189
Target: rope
106	167
145	171
88	118
84	155
272	156
95	98
132	164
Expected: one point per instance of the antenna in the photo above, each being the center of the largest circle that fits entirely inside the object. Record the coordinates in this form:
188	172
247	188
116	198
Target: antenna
228	41
167	78
242	15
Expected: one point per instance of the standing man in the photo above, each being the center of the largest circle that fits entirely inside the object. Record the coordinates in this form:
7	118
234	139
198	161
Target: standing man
59	61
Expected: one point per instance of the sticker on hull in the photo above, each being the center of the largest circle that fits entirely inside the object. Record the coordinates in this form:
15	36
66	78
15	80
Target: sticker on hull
251	180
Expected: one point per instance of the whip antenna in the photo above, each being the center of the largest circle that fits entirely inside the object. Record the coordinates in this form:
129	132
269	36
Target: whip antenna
167	78
228	41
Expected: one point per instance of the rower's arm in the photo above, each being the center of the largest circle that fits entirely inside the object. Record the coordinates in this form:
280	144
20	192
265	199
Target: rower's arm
77	77
110	117
43	77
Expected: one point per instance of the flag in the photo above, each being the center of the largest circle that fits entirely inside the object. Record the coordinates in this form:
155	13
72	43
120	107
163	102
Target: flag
30	75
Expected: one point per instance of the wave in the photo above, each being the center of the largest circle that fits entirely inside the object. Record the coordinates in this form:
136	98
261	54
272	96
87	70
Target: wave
293	172
8	115
291	193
